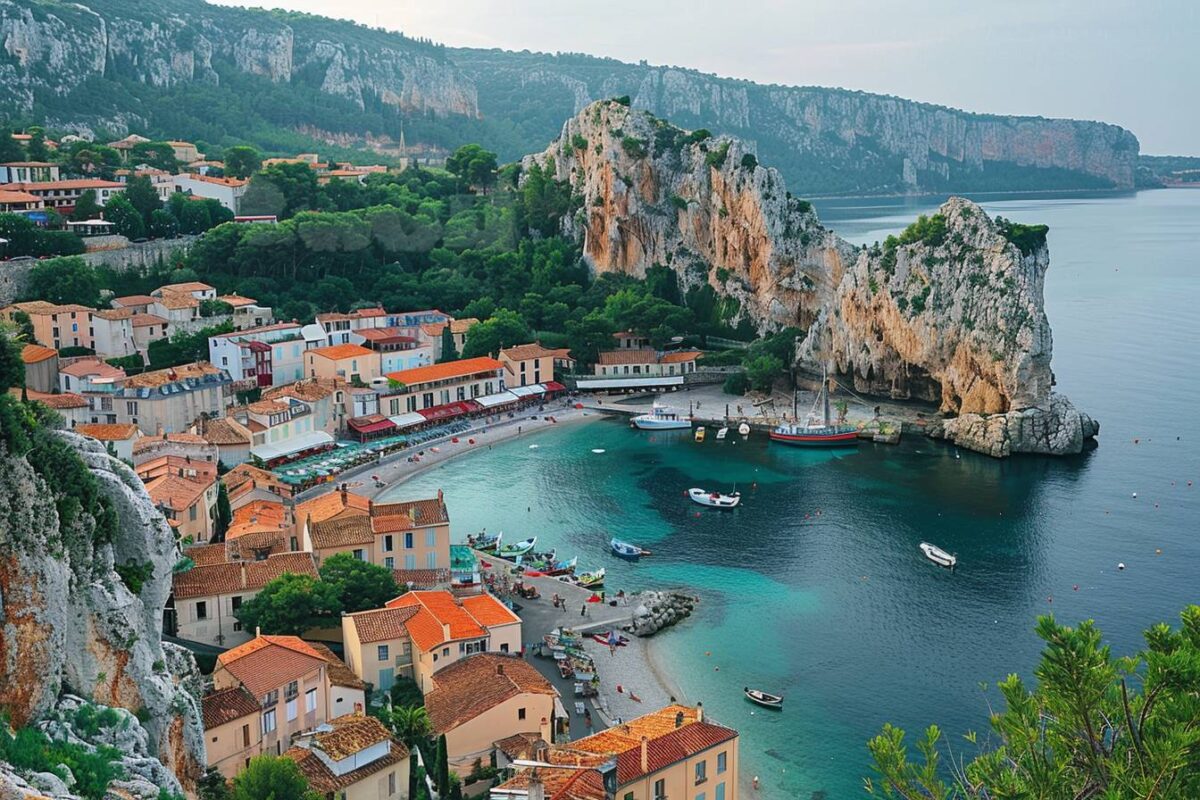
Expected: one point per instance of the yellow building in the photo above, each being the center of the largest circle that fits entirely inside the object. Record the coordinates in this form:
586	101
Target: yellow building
232	733
529	364
671	753
347	362
480	700
353	757
440	385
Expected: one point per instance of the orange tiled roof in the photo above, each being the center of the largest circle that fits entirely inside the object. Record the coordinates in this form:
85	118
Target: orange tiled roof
331	504
444	610
258	516
338	352
478	683
205	555
488	611
309	390
109	432
68	185
178	493
680	356
226	706
343	530
446	370
35	353
339	673
268	662
161	377
115	314
381	624
134	300
227	431
61	400
525	352
322	780
462	325
145	320
91	366
351	734
177	300
236	300
7	196
640	356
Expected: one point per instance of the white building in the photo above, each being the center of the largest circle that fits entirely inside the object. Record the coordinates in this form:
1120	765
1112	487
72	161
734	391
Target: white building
272	365
227	191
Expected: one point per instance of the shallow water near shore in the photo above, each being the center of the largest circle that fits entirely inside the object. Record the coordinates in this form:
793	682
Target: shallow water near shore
815	588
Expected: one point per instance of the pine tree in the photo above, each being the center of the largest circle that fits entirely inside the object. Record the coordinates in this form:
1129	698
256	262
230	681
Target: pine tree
442	776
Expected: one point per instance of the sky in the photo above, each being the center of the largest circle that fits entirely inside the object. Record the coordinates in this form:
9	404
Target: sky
1135	64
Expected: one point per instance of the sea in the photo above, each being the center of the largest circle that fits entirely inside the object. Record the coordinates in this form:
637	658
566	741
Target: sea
816	589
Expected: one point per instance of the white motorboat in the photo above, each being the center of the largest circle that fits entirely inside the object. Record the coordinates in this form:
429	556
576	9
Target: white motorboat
722	433
938	556
765	699
662	418
744	429
714	499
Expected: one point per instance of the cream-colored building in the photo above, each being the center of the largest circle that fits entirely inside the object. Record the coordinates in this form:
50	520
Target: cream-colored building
670	753
232	730
353	757
189	502
171	400
120	436
529	364
346	362
424	388
487	697
646	362
55	326
282	428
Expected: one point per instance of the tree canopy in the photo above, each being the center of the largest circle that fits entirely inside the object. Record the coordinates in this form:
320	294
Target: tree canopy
1095	726
474	165
272	778
360	585
290	605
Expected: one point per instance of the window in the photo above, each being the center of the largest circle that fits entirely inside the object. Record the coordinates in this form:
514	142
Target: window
431	560
387	543
131	407
271	698
431	537
701	772
410	562
360	554
235	603
660	789
445	652
520	713
720	763
719	794
291	710
382	652
310	700
245	736
408	541
192	513
202	610
268	721
389	562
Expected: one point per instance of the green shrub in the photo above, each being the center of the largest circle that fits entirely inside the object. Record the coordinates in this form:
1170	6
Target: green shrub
716	158
1027	238
679	202
634	147
135	575
697	136
737	384
623	100
803	206
579	142
749	161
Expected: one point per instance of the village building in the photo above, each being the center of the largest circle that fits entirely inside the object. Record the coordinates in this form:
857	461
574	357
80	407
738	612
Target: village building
351	363
226	191
73	407
18	202
184	151
530	364
28	172
670	753
189	502
439	391
326	396
353	757
171	400
121	437
57	326
41	367
396	349
282	429
646	362
477	698
232	734
268	355
62	195
247	313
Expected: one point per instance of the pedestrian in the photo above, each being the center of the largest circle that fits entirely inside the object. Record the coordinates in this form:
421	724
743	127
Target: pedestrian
587	718
583	610
756	783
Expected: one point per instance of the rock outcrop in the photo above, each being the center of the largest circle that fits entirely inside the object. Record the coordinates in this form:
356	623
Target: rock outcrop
951	313
70	624
654	611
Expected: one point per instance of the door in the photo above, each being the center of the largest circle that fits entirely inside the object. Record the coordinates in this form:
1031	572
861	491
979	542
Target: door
386	678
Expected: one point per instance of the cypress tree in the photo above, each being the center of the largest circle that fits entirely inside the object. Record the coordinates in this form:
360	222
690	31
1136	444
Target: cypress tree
442	776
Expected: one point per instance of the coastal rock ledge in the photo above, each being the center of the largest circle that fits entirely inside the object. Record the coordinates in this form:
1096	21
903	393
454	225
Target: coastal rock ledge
1059	429
657	610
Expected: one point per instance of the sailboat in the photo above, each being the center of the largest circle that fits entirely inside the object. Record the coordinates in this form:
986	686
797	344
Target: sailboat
814	432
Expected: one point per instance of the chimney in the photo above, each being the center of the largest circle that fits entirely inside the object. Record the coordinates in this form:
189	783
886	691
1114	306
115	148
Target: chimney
499	669
344	493
678	719
440	500
536	790
645	755
699	712
242	564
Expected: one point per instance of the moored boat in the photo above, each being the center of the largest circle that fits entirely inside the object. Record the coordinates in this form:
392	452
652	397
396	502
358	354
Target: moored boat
487	542
744	429
764	699
662	418
590	580
939	556
562	567
511	551
700	434
722	433
815	432
714	499
627	551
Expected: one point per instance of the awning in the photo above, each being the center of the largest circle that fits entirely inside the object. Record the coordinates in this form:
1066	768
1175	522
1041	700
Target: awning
370	424
554	386
407	420
526	391
651	382
296	444
449	410
493	400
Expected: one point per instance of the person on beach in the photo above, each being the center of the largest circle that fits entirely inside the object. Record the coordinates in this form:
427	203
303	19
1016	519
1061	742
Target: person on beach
583	610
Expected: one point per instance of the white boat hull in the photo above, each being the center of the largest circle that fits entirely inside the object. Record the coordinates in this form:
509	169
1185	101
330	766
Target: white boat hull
938	556
714	499
647	422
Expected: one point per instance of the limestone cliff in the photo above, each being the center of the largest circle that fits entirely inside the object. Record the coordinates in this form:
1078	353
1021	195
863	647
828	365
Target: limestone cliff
69	622
950	314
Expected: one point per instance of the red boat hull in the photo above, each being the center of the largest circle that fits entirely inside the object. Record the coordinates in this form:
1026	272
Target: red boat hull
849	438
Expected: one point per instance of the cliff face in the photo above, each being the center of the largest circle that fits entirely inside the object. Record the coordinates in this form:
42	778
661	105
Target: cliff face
954	317
70	624
52	47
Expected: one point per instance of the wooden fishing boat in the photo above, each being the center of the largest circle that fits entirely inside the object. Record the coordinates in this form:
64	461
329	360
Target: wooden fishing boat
590	580
764	699
562	567
939	556
714	499
487	542
511	551
627	551
722	433
700	434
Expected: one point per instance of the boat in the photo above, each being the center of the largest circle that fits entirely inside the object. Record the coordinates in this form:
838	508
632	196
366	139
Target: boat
764	699
815	432
562	567
487	542
590	580
744	429
714	499
511	551
627	551
723	432
661	418
700	434
939	556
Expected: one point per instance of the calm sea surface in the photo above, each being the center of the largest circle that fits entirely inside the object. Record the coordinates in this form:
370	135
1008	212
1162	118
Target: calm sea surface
815	588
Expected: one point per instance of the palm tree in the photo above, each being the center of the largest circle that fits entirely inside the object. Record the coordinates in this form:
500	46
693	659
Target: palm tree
410	723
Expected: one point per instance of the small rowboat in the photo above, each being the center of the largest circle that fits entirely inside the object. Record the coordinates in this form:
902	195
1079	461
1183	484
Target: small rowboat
722	433
764	699
518	549
627	551
590	580
562	567
714	499
487	542
700	434
939	556
744	429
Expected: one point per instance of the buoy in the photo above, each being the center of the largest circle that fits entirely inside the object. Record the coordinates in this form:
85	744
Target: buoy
1121	565
1076	587
1158	551
1135	495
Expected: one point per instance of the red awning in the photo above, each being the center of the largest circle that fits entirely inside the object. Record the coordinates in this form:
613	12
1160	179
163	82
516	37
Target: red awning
371	424
449	410
554	386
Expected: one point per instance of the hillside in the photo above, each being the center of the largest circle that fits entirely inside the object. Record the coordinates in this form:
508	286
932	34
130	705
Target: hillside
285	81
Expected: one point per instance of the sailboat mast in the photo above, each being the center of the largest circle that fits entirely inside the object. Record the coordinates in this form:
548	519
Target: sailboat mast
825	391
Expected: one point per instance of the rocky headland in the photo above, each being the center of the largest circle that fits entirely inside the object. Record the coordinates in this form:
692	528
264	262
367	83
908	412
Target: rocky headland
950	313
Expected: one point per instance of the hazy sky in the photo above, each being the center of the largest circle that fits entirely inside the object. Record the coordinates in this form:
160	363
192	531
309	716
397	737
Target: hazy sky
1136	64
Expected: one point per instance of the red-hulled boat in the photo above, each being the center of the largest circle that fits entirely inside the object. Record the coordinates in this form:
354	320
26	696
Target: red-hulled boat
814	432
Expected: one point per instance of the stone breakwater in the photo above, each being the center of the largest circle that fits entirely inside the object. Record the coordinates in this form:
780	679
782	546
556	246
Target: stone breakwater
654	610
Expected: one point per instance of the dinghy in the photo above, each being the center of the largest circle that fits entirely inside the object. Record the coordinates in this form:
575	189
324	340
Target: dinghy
744	429
590	580
764	699
722	433
714	499
627	551
487	542
939	556
511	551
700	434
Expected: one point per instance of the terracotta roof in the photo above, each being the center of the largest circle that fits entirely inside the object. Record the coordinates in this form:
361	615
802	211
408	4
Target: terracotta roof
161	377
114	314
8	196
226	430
519	745
385	335
260	573
267	407
252	476
324	782
341	531
226	706
210	579
91	367
111	432
134	300
205	555
352	733
234	182
428	511
28	163
268	662
438	608
308	390
275	326
331	504
340	351
630	356
178	493
525	352
177	300
473	685
339	673
375	311
462	325
422	578
679	356
145	320
381	624
258	516
433	329
60	401
236	300
35	353
68	185
446	370
146	442
488	611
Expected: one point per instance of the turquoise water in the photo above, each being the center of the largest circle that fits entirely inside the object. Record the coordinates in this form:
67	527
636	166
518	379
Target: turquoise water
815	587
